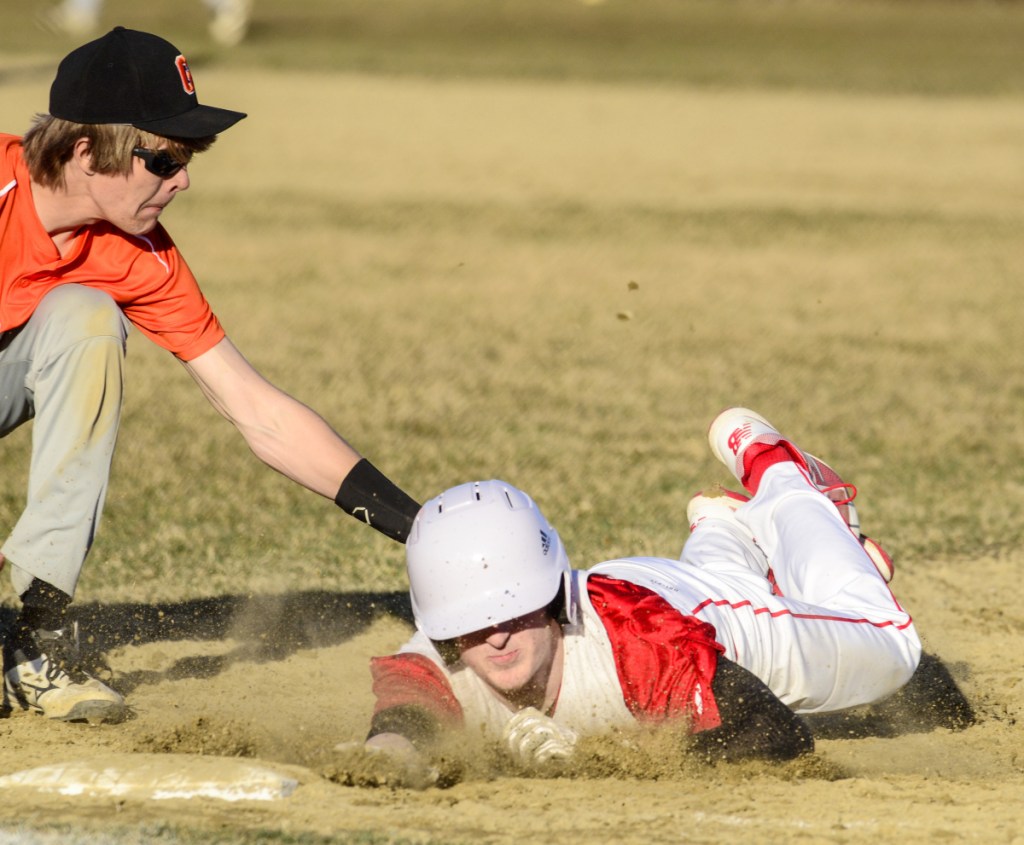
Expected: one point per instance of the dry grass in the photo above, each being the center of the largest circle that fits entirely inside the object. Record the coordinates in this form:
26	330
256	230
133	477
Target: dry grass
560	285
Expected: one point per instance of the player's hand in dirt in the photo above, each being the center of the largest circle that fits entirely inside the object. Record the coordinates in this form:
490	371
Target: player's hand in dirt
384	760
535	739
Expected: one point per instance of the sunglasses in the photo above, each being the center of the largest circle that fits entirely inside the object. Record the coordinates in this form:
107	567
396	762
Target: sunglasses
159	162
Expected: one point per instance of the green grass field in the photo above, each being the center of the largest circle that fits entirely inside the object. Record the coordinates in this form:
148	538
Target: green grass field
548	241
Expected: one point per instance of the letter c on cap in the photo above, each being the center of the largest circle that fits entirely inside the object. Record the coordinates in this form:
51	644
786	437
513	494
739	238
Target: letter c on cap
185	74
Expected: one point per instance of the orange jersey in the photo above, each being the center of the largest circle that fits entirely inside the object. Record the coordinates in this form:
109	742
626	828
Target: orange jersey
144	274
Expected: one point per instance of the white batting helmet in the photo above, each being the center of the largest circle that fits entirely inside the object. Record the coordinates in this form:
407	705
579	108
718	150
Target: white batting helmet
480	554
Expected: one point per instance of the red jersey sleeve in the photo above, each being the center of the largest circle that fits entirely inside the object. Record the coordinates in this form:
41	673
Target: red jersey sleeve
403	680
665	660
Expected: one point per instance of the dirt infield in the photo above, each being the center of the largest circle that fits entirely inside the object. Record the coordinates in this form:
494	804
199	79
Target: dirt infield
246	693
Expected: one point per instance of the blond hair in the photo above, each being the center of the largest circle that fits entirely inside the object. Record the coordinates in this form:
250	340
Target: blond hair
50	142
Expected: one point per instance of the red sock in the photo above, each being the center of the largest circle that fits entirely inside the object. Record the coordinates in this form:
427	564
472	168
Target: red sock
760	456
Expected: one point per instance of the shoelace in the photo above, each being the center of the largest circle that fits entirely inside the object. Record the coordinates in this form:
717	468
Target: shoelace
831	488
62	652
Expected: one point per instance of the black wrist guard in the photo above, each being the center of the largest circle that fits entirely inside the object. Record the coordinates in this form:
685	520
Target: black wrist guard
368	495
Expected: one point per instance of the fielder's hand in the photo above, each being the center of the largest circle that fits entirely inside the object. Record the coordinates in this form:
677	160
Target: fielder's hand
533	738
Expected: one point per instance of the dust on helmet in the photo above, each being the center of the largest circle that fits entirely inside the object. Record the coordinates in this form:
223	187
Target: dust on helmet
480	554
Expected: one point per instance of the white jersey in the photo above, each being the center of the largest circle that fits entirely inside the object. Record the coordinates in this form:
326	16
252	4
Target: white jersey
590	698
630	656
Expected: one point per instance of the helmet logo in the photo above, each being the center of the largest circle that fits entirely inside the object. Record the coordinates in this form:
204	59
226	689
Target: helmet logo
545	541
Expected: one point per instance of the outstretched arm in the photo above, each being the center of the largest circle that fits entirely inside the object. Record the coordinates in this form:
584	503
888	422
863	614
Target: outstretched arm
755	723
392	759
406	736
297	442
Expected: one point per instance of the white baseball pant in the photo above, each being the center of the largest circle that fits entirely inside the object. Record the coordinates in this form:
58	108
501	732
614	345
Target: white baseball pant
835	638
65	369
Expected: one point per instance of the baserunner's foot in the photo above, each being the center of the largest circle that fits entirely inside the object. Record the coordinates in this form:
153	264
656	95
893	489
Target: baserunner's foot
732	434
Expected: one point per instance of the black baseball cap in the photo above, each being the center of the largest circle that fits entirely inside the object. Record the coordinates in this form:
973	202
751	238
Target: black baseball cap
138	79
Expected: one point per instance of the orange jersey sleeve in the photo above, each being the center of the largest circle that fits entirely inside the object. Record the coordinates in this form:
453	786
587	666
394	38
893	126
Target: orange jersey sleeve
145	275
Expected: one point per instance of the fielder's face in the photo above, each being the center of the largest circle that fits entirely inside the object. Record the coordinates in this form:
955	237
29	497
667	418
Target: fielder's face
518	659
134	203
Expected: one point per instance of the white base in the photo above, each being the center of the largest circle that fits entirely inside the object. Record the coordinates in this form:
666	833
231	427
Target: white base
156	777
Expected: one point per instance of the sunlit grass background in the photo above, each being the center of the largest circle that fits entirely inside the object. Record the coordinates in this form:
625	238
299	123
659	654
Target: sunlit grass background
548	241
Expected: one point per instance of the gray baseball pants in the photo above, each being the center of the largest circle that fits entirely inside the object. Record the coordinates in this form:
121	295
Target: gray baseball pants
65	369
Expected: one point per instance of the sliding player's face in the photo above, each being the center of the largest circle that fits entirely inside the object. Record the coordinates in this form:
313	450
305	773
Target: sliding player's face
518	659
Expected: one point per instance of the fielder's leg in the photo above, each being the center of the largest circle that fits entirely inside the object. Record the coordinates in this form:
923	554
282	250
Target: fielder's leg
65	369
